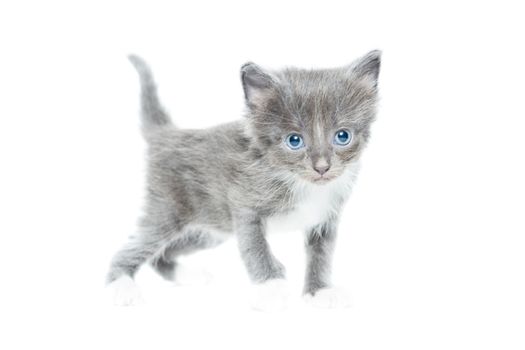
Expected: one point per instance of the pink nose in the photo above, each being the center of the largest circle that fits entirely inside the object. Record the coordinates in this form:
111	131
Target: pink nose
321	165
321	169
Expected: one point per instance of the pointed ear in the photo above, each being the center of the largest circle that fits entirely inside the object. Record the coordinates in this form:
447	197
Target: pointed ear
255	82
367	67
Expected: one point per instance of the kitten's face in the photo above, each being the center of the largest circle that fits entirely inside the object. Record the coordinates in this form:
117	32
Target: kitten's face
315	123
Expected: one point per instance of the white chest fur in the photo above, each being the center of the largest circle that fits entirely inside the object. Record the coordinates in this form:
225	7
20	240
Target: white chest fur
315	203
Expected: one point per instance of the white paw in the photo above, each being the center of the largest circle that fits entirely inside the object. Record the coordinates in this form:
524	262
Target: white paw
191	276
125	292
271	295
329	298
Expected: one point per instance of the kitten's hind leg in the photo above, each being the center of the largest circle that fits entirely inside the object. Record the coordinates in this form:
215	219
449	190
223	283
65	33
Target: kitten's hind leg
166	265
126	263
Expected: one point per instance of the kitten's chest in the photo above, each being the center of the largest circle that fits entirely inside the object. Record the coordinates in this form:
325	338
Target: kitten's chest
314	204
311	208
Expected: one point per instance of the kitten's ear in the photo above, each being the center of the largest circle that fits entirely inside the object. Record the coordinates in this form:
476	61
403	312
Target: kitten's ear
367	67
255	82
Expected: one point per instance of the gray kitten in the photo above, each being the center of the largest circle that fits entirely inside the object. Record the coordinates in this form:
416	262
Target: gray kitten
289	164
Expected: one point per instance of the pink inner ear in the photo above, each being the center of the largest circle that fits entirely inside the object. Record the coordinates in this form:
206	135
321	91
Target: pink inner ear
256	82
367	82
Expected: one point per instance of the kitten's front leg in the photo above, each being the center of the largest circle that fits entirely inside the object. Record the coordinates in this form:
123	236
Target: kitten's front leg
318	291
265	271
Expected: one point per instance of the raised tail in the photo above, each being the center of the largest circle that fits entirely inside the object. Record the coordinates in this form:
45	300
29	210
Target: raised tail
153	114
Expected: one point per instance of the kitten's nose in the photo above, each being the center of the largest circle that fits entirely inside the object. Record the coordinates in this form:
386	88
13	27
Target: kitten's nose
321	166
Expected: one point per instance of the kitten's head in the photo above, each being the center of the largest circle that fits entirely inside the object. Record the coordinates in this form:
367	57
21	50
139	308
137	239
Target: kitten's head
313	123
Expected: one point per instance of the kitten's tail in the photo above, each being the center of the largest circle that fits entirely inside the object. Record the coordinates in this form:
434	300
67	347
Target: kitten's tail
153	114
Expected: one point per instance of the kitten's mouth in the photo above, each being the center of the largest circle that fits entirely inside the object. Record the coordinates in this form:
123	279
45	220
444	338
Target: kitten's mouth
322	179
319	179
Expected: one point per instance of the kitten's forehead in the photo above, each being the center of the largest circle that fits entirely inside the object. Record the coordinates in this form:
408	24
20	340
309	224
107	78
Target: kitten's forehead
312	96
326	97
313	83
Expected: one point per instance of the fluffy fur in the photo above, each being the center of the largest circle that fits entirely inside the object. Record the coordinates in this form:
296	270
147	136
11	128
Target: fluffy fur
240	178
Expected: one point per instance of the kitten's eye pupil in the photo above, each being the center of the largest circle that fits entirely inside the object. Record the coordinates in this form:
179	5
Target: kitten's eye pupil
342	137
294	141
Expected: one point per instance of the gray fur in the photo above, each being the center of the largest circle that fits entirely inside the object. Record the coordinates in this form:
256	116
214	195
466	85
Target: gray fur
255	252
235	177
320	242
153	115
165	261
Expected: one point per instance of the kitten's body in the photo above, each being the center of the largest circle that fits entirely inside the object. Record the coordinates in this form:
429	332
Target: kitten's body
205	185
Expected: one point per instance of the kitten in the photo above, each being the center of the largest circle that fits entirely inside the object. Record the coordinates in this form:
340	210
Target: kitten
290	163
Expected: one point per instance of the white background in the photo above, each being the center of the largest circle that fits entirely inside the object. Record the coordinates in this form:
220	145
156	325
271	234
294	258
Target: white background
431	244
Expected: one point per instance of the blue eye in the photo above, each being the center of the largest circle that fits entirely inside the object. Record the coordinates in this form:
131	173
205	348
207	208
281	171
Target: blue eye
342	137
294	141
